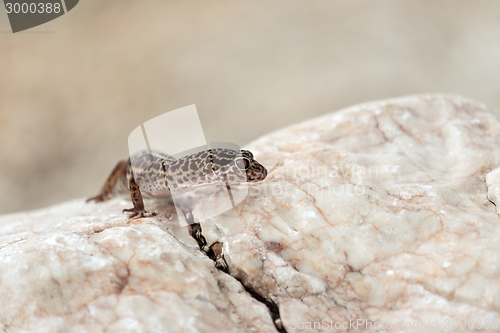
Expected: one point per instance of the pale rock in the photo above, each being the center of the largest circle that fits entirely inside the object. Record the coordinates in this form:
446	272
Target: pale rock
493	184
82	267
379	215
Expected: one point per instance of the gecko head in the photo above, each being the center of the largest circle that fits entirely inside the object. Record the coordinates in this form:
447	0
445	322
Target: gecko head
254	171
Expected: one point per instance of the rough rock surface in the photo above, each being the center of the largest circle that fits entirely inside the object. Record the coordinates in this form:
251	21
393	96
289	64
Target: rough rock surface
380	216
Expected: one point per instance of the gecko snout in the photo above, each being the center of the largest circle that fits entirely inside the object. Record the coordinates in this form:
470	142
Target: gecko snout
256	172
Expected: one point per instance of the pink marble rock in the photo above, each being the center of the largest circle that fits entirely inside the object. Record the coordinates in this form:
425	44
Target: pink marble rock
378	217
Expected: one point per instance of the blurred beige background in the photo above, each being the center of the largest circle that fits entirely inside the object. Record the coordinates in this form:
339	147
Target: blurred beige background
72	90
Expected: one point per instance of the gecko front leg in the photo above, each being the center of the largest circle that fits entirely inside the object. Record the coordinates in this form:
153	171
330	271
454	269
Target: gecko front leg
135	194
195	230
118	173
213	251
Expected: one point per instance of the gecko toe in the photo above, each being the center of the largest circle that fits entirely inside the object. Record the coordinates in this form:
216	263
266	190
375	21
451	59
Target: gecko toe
137	214
98	198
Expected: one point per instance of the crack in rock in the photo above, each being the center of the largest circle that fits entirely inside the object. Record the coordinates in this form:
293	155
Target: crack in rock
214	252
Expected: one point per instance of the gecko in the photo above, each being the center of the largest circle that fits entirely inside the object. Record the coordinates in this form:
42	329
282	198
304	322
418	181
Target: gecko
154	175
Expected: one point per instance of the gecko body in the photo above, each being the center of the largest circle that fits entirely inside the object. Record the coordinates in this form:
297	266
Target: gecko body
156	175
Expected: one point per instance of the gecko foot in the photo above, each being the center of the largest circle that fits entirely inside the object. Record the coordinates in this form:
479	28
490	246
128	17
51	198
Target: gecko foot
100	198
137	214
215	253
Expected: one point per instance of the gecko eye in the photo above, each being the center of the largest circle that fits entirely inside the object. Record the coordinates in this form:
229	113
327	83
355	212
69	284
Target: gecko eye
242	163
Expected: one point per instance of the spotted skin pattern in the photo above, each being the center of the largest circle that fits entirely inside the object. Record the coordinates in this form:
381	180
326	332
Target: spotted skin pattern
155	175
